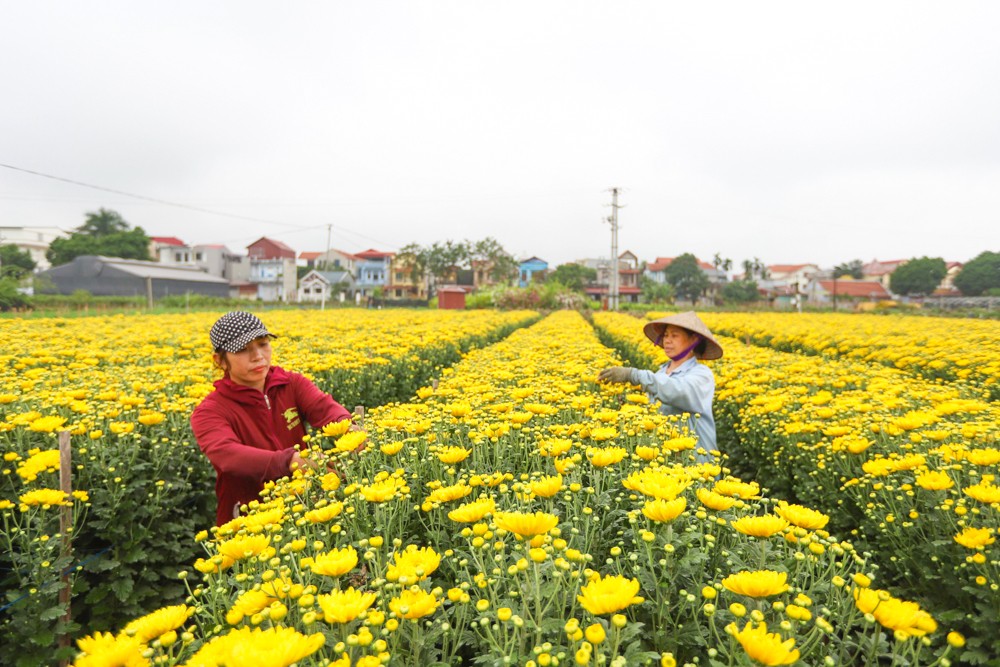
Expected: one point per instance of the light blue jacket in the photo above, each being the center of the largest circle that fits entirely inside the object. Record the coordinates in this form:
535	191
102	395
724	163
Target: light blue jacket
688	389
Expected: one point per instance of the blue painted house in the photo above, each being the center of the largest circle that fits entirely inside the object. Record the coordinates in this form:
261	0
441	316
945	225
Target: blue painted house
532	270
371	268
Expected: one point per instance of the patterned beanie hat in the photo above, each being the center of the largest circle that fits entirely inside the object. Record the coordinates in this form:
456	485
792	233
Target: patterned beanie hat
234	330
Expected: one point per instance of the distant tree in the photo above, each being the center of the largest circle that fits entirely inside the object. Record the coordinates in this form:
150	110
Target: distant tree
686	277
854	269
572	276
104	223
741	291
980	274
439	260
14	262
654	292
503	266
10	297
918	276
103	233
721	263
755	269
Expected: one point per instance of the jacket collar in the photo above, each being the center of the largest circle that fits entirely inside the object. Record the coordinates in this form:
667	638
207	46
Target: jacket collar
276	376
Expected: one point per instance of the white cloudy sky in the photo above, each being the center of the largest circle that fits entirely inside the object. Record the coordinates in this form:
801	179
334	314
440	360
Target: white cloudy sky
789	131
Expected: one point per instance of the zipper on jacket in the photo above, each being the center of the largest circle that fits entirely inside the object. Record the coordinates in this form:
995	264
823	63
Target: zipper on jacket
267	401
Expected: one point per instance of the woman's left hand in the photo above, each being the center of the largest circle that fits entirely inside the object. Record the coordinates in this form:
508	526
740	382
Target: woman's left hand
616	374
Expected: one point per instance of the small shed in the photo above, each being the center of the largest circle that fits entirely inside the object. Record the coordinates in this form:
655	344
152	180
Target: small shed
451	298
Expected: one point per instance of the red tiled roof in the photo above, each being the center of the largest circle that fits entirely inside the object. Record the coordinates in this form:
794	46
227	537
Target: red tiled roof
277	244
309	255
167	240
371	253
859	288
663	262
787	268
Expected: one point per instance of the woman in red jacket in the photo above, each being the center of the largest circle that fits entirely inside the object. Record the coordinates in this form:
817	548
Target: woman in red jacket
248	427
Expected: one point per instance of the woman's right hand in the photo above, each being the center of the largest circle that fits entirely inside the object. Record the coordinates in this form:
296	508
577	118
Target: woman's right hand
299	463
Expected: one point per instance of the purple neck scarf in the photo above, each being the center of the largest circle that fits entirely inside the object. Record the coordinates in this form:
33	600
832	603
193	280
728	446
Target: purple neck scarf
687	351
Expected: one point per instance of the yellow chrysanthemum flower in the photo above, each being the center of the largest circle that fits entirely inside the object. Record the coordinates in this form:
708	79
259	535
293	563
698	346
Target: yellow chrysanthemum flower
664	510
895	614
546	487
325	513
344	606
975	538
335	562
760	526
44	498
274	647
383	490
714	501
336	429
451	455
474	511
757	584
984	492
413	564
350	441
102	649
764	647
414	603
554	447
934	480
46	424
526	525
31	468
447	494
609	595
660	483
241	547
247	604
151	626
803	517
603	457
736	488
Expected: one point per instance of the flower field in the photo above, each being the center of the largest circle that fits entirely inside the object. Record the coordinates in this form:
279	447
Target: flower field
124	386
936	348
518	513
904	466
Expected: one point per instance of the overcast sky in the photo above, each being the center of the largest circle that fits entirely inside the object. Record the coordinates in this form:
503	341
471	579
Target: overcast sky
790	131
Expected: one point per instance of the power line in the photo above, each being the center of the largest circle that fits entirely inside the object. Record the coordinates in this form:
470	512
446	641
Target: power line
156	200
165	202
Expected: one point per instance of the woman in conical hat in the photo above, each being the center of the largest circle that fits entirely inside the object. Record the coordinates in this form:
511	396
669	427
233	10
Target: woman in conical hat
683	385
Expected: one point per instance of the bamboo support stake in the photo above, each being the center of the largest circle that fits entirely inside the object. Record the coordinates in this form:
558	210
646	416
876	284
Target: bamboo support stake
359	413
66	530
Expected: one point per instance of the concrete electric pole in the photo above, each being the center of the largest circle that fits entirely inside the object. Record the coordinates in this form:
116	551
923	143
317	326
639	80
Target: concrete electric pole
613	277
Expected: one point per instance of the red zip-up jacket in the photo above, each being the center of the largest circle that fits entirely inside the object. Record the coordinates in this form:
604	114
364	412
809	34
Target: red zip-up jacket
249	435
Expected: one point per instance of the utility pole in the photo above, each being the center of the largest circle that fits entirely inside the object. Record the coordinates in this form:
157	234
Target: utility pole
326	264
613	277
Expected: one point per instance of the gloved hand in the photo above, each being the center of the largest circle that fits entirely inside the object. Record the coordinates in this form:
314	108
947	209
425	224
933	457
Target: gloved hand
615	374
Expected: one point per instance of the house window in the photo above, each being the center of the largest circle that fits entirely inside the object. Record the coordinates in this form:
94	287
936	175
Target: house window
177	257
399	292
199	256
399	277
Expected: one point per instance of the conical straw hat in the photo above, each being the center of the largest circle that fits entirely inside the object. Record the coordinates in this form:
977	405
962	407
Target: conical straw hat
690	321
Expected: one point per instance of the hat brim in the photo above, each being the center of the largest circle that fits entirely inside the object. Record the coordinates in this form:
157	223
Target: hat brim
690	322
240	342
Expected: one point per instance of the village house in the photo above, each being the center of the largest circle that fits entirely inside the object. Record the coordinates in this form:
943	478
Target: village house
273	270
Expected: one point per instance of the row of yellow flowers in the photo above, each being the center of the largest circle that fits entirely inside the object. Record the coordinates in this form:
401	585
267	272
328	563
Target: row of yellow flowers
962	350
124	386
907	465
520	514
